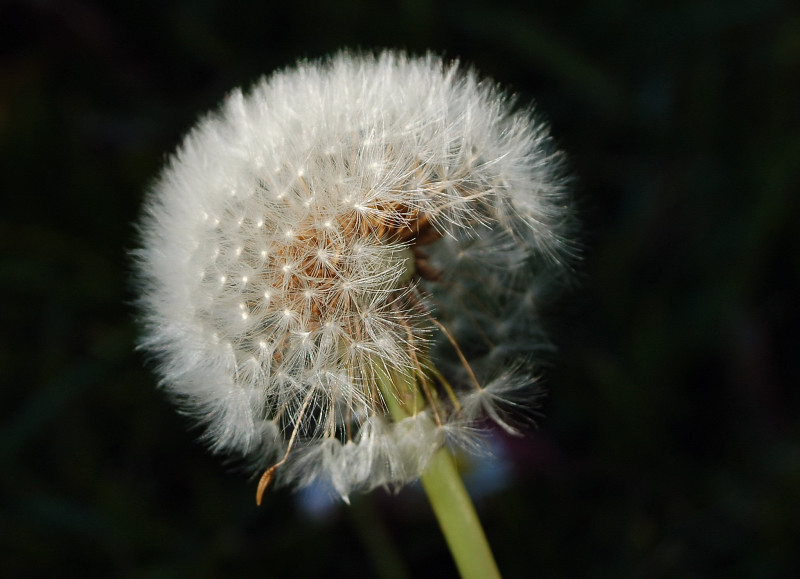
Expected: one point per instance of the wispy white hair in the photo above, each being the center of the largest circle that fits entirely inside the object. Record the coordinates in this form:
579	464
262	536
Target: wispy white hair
345	219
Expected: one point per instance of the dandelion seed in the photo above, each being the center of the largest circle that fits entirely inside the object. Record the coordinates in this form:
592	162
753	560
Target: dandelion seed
391	314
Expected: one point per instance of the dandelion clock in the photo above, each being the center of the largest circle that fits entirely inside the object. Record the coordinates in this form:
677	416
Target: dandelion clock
339	273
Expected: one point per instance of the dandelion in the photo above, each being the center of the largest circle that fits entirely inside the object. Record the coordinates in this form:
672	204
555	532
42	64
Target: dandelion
340	268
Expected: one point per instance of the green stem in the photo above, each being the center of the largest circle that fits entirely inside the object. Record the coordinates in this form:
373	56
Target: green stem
458	519
451	504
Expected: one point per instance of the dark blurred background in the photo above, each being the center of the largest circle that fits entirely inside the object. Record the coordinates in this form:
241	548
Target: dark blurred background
670	442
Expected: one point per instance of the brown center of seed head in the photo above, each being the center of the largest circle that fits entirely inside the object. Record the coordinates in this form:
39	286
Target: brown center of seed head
320	264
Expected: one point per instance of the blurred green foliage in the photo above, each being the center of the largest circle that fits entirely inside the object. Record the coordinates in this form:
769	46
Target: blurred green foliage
670	445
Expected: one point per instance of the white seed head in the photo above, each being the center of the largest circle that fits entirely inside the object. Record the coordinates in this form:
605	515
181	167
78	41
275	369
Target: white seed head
360	217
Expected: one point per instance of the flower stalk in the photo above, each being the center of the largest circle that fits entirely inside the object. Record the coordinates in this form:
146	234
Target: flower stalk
446	492
457	517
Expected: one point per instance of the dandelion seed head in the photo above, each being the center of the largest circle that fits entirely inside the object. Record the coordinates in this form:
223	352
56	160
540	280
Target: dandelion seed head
358	217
